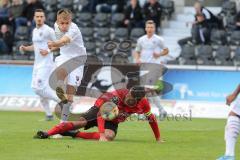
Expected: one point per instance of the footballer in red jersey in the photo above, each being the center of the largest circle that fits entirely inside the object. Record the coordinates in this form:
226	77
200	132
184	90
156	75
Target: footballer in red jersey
128	102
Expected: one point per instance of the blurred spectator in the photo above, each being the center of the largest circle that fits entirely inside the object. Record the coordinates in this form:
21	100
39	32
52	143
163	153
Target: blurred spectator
4	12
133	15
91	6
238	21
6	40
152	11
28	13
200	32
110	6
212	20
15	11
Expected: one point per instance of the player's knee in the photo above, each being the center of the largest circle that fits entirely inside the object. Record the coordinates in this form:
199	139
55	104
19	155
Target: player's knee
38	91
110	135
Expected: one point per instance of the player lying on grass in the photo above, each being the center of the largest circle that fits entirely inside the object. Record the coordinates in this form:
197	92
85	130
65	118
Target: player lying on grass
232	128
128	102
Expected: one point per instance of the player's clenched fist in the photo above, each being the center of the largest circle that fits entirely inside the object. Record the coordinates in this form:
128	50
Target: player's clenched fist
43	52
50	44
23	48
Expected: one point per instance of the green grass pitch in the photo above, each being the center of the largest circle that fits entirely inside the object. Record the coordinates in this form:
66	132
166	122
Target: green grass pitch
199	139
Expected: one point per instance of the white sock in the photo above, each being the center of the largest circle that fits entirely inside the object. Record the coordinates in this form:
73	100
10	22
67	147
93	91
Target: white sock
65	112
45	104
232	130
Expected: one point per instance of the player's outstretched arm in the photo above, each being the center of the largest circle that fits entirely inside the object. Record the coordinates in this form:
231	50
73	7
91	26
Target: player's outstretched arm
233	96
165	52
137	57
26	48
59	43
154	125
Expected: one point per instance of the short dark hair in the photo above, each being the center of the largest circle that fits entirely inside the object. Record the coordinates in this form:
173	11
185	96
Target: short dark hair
137	92
39	10
150	22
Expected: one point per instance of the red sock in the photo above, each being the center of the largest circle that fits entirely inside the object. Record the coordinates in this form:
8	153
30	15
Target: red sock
88	135
61	128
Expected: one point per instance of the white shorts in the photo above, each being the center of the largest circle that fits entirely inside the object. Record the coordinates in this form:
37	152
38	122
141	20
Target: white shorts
236	107
75	76
40	77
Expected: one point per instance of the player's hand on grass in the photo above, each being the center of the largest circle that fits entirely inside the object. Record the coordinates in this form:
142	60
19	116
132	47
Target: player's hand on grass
103	138
43	52
160	141
230	99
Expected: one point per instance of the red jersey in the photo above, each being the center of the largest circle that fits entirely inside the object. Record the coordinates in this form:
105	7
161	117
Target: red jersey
142	107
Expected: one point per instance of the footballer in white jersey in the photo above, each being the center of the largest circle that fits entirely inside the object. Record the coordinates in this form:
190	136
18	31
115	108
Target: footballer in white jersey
43	64
70	63
232	128
150	48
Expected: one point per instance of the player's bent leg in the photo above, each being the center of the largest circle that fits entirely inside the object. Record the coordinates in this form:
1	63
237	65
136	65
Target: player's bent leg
46	92
46	105
60	87
157	101
66	107
61	129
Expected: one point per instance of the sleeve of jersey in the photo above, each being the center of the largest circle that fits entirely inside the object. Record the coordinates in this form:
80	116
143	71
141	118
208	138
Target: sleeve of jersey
100	122
138	46
162	44
154	125
102	99
52	35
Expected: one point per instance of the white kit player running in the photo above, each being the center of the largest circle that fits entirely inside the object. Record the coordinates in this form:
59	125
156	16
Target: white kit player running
43	64
72	55
150	48
232	128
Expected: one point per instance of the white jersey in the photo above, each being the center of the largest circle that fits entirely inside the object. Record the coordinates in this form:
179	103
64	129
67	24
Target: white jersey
76	45
236	107
40	38
147	46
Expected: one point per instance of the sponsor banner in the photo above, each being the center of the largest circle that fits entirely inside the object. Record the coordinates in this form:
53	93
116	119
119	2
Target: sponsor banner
27	103
201	85
82	104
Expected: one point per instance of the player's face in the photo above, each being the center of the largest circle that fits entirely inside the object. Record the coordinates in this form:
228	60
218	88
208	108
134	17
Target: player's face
63	24
150	29
39	18
129	100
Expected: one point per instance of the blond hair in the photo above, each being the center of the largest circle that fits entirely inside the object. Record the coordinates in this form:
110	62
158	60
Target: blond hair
64	14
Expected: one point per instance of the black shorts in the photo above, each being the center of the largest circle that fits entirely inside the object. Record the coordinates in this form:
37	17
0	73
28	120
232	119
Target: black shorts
91	117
